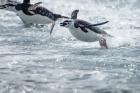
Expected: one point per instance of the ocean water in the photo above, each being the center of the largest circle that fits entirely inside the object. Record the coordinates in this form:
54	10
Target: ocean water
32	61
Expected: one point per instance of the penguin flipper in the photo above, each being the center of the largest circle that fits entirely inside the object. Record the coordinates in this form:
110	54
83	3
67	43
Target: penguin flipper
83	28
74	14
98	24
38	3
26	1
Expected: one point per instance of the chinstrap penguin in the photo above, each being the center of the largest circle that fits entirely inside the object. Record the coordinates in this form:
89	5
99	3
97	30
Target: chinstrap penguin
32	13
85	31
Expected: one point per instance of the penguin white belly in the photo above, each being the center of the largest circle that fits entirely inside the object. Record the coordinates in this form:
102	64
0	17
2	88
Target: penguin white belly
35	19
90	36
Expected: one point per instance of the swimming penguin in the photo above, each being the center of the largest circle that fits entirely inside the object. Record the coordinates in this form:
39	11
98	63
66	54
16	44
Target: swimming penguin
32	13
85	31
18	7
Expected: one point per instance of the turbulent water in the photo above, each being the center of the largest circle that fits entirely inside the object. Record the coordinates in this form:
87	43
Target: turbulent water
32	61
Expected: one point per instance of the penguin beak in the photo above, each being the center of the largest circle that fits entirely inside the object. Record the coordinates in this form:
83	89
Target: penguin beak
2	6
63	24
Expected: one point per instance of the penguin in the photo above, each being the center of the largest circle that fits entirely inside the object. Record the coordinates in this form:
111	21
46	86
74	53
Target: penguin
10	6
32	13
85	31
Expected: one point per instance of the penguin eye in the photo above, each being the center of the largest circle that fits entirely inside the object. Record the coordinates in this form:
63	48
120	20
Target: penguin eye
67	22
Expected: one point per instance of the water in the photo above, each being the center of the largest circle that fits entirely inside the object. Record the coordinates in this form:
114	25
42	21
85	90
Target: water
32	61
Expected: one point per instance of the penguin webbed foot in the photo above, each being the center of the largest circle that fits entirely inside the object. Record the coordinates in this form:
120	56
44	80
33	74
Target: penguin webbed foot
52	27
103	43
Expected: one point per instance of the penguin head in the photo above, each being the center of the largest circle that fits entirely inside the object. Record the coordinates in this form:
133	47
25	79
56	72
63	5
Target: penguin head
9	7
70	22
67	23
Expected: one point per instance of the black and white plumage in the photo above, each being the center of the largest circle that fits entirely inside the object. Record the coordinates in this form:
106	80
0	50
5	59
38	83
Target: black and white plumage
85	31
32	13
10	5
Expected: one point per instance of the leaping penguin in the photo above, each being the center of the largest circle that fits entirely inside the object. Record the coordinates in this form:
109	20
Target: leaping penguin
85	31
32	13
18	8
10	6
